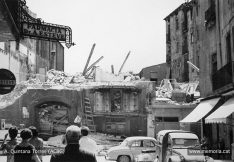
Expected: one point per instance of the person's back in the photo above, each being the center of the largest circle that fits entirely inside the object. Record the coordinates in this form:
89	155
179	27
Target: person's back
86	143
72	153
9	146
23	153
36	141
38	144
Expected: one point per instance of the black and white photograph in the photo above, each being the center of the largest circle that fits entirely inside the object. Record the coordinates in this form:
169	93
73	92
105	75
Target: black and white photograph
117	80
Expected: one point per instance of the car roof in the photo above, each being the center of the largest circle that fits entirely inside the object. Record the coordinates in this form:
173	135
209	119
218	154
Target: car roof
139	138
183	135
163	132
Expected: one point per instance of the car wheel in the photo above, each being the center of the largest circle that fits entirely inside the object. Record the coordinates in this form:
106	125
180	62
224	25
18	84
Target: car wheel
123	158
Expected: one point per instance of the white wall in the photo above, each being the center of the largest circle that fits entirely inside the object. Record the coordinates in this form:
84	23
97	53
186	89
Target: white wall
4	57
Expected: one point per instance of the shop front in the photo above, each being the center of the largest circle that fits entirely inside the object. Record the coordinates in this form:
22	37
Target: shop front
222	121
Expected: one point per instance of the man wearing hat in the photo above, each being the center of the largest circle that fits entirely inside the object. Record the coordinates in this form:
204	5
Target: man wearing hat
72	152
87	144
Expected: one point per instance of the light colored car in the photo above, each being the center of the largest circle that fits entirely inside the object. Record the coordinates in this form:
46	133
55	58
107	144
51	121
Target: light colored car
175	146
130	148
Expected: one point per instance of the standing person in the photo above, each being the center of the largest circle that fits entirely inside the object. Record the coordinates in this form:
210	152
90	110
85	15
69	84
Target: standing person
87	144
221	147
13	131
205	144
72	152
23	152
36	141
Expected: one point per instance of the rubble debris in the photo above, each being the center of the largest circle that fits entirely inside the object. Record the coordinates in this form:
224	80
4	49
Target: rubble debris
130	77
178	92
54	76
59	77
10	98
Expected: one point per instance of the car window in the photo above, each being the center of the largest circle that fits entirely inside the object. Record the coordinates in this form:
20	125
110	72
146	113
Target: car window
185	142
169	142
137	144
124	143
148	143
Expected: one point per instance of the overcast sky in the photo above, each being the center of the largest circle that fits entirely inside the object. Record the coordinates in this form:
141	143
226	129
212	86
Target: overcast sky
116	26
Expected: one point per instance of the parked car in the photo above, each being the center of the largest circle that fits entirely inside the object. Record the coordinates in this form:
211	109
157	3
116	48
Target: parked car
130	148
175	146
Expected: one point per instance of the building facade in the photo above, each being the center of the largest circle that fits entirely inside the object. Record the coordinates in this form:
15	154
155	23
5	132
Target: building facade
155	73
118	109
210	44
179	43
167	116
25	57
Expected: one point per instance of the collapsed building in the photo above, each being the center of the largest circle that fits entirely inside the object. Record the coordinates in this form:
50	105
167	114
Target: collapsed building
171	103
112	107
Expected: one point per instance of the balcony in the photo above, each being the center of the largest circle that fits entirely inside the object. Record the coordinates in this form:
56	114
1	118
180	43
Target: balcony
223	77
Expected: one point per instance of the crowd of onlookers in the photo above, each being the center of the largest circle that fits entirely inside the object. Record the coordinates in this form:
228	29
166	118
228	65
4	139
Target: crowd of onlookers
27	148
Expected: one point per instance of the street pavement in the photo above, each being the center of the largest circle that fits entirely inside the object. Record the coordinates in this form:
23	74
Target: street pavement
99	159
47	159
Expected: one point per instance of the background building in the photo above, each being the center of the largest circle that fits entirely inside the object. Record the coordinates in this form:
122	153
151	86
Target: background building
155	73
210	44
180	43
25	57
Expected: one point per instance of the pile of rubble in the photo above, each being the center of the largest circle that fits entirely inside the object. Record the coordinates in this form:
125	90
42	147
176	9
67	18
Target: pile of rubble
170	91
59	77
61	80
130	77
10	98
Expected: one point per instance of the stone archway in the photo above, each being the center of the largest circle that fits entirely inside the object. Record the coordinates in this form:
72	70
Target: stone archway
51	115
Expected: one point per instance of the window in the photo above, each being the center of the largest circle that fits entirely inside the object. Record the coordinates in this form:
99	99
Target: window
198	37
228	48
177	23
166	119
214	62
148	143
116	100
211	2
177	46
198	61
197	7
210	15
191	41
137	144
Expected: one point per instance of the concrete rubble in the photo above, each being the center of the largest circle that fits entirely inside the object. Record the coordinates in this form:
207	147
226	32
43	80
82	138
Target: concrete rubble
170	91
61	80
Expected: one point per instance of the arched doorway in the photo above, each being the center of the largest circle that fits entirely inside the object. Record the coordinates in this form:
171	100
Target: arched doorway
52	118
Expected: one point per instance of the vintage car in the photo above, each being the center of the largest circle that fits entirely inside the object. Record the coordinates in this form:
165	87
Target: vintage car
130	148
175	146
